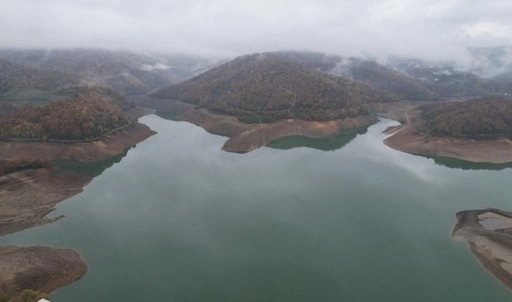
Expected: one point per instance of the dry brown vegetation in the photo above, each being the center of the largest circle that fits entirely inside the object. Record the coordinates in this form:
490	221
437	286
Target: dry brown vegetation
91	113
486	118
266	88
14	76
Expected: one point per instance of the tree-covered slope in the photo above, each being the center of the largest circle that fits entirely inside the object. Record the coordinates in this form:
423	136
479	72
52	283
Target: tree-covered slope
265	87
486	118
89	114
16	76
125	71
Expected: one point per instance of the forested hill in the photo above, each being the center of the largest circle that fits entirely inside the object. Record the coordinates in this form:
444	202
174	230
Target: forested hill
124	71
265	88
15	76
364	71
90	113
486	118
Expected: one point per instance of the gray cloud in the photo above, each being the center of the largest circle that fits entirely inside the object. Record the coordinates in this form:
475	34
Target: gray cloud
224	27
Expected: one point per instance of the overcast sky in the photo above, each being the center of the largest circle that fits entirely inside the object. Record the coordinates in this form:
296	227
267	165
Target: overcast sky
226	28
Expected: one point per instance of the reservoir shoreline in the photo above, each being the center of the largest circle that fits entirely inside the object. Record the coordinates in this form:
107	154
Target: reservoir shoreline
488	234
244	137
28	196
411	137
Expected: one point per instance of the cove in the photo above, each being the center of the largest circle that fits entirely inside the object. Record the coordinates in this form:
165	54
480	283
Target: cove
178	219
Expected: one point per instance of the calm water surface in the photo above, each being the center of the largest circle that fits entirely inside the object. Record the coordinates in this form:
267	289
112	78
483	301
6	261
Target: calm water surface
177	219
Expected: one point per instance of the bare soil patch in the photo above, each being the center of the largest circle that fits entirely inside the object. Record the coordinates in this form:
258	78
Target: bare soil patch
411	137
106	147
489	236
244	137
40	268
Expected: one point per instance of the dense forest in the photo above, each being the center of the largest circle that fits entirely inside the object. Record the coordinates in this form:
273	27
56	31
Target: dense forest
20	84
89	114
266	88
125	71
485	118
365	71
15	76
384	78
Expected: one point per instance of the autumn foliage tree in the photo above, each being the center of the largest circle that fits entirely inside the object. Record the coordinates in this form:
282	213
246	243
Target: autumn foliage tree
90	113
485	118
265	88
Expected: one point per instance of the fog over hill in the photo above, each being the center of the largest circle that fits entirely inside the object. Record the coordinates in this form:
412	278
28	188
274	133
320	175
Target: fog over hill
424	28
127	71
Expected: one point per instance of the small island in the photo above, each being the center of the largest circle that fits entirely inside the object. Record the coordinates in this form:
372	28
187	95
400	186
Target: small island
477	130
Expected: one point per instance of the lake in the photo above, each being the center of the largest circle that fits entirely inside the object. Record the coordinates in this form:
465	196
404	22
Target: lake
178	219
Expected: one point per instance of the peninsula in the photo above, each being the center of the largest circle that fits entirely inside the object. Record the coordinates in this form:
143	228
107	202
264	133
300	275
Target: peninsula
478	130
258	98
90	124
489	235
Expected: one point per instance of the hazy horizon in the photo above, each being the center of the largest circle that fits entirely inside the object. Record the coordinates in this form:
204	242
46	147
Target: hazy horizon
221	28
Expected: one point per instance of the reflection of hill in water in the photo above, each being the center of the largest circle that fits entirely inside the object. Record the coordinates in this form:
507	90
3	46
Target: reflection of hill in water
467	165
93	169
328	143
169	115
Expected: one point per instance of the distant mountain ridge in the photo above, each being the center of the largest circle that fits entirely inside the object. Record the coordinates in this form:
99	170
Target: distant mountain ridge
491	62
364	71
16	76
450	81
415	79
128	72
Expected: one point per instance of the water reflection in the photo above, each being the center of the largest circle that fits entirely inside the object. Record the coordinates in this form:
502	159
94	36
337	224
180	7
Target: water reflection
467	165
181	220
92	169
169	115
327	143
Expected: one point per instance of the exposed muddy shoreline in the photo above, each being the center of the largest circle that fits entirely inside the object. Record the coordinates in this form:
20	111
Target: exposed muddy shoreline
245	137
91	151
411	138
45	269
489	235
28	196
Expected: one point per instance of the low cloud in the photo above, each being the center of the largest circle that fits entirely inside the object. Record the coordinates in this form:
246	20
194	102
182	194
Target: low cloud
431	29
